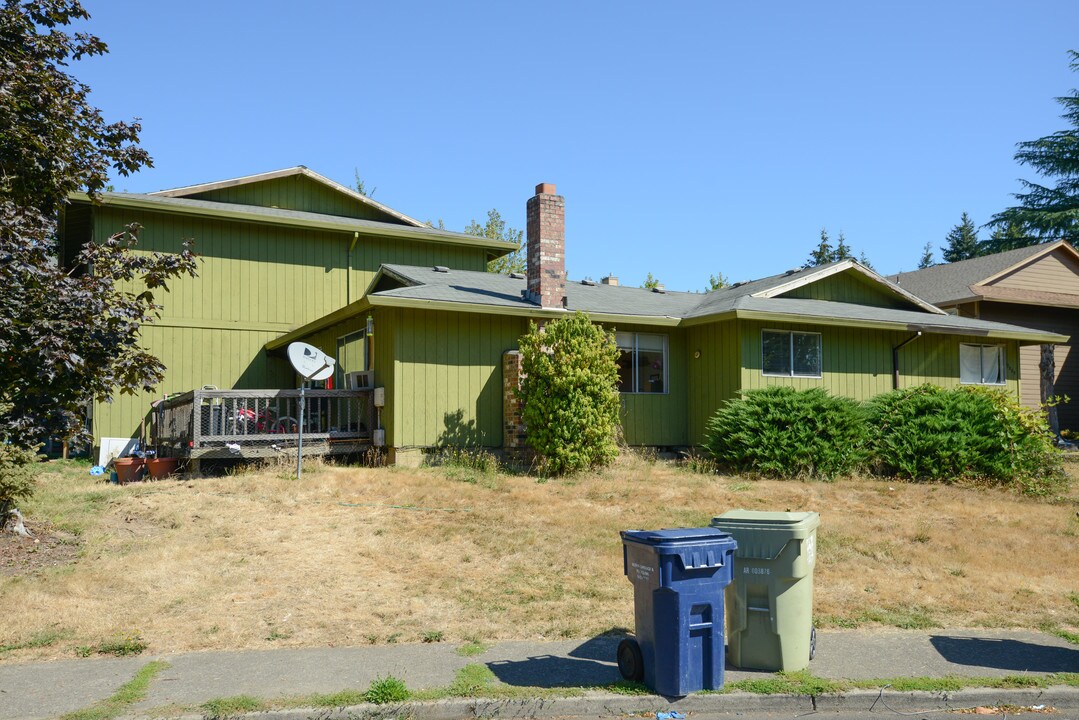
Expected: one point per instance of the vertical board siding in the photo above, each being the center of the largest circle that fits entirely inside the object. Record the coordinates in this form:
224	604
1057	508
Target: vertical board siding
659	418
372	252
297	192
857	362
448	376
195	357
715	376
849	287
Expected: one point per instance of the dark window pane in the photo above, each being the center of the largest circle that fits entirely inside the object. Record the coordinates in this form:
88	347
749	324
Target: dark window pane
625	371
806	354
776	352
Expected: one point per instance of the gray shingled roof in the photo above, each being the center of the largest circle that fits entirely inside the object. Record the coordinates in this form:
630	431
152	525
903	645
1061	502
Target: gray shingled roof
951	281
424	283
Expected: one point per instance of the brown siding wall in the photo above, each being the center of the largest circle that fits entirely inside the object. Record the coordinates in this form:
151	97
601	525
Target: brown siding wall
1056	272
1059	320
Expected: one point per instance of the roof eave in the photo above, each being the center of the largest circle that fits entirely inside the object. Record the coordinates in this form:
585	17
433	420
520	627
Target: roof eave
381	229
305	330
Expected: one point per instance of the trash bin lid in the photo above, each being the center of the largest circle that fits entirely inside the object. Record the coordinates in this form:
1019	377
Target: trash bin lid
670	536
761	520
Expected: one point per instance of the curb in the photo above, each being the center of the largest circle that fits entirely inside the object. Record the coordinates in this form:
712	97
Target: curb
604	704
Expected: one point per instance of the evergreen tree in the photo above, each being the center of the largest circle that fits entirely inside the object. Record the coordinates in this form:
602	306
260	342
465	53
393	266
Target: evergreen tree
1006	236
842	249
823	254
962	241
927	257
1050	213
865	260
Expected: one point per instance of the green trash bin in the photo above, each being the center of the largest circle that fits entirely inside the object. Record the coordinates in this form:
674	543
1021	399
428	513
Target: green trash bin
770	598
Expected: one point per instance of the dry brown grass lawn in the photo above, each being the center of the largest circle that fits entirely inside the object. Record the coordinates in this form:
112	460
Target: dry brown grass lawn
352	556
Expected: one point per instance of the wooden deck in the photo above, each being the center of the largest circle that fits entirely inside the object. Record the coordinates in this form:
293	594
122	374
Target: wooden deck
253	424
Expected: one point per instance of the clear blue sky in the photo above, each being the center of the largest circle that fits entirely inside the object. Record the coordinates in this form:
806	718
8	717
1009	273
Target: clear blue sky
688	138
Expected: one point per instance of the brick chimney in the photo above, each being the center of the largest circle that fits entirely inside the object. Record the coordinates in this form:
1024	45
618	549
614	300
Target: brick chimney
547	247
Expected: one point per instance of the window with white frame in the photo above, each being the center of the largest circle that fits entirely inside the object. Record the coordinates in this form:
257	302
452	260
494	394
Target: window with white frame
981	364
790	354
642	362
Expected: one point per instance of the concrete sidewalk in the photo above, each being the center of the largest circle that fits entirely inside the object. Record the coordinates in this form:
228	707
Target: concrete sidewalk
44	690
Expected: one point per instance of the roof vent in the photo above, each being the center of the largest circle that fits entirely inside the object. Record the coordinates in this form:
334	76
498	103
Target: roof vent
659	289
441	269
740	283
586	281
517	276
791	272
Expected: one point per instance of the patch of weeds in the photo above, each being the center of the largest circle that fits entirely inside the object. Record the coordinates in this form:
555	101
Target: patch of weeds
127	695
385	690
699	465
627	687
957	572
920	537
740	486
40	639
276	634
835	621
229	706
792	683
341	699
472	648
1054	629
1074	597
122	645
472	680
392	638
905	618
432	636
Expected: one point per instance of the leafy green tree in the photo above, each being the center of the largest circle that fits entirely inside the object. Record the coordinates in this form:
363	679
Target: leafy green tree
1050	213
68	335
927	257
717	282
495	229
823	254
650	282
569	393
962	241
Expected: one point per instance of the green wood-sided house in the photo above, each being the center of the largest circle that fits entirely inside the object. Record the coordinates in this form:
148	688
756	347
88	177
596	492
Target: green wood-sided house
291	256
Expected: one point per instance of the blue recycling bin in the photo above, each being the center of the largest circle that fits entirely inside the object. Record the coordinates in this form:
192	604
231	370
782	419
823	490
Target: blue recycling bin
678	581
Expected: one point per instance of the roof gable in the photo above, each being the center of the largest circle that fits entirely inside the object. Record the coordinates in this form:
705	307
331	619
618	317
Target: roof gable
1056	270
847	282
296	188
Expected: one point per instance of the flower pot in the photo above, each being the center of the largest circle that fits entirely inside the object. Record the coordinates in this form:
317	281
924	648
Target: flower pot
161	467
129	469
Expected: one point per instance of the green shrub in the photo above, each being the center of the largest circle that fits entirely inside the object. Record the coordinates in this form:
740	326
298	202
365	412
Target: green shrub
786	433
569	393
928	433
16	476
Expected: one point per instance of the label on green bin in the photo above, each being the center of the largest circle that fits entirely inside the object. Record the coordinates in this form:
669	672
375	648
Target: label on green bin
811	549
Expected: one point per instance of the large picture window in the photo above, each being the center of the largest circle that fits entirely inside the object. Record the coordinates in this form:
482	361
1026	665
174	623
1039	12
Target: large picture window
790	354
981	364
642	363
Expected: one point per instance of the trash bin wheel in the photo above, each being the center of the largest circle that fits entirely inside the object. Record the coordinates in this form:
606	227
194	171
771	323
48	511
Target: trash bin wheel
812	643
630	660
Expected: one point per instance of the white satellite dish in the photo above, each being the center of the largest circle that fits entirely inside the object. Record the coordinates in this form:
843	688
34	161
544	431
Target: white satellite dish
309	361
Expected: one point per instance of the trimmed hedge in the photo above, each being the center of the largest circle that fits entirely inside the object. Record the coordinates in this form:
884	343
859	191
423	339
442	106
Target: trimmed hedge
922	433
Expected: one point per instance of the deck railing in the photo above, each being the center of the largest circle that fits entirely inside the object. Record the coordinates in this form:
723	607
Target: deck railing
260	422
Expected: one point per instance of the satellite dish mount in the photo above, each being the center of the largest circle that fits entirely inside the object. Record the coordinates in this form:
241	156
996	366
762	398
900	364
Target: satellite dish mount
310	363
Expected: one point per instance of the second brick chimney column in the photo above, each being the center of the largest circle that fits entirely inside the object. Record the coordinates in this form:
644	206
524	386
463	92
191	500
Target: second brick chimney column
547	247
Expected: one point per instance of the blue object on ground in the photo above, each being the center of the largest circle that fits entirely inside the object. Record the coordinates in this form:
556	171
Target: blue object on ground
678	581
97	470
672	715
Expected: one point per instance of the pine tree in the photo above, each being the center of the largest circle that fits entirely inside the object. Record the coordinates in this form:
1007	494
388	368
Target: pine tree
1049	213
842	249
962	241
864	261
1007	236
927	257
823	254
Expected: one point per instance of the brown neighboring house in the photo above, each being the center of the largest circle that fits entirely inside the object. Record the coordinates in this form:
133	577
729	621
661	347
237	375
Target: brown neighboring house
1036	287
